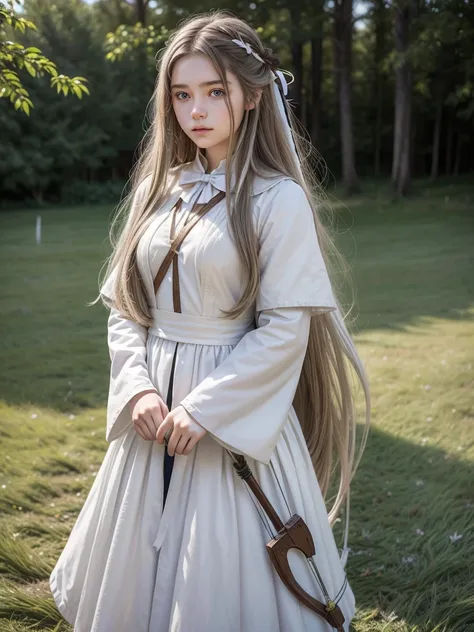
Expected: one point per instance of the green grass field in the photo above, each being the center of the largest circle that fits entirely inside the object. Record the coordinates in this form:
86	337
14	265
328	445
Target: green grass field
412	513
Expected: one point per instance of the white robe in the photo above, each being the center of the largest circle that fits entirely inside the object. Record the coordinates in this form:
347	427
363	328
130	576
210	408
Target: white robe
201	564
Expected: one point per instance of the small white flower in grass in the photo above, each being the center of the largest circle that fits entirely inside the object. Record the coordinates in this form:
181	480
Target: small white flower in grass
424	440
420	532
34	415
389	494
384	358
78	494
15	535
453	410
72	417
409	559
4	486
92	418
455	536
52	505
427	387
41	553
420	483
390	617
429	419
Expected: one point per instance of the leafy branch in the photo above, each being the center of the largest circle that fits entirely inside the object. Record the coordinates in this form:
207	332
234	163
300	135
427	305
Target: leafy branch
15	57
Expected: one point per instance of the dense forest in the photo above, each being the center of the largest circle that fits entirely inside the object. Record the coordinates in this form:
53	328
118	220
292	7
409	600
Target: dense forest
383	88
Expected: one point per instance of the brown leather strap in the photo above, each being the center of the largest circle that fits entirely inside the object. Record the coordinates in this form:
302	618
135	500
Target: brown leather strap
178	240
175	284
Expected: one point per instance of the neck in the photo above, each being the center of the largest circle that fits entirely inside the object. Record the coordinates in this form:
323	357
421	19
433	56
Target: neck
214	155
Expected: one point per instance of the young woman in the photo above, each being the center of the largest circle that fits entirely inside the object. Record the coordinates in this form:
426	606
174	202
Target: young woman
226	343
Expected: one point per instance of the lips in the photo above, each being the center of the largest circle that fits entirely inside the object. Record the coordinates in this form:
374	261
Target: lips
197	129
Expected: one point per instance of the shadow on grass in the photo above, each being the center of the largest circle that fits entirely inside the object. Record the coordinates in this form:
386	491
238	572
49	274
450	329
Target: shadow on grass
407	501
404	567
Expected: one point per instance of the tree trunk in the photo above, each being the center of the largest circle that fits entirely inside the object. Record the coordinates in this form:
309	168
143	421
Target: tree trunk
316	83
343	61
297	59
449	147
401	166
379	54
436	139
457	159
141	6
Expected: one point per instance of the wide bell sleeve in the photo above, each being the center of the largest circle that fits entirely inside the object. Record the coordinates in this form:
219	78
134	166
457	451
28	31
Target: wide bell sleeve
128	370
127	349
245	402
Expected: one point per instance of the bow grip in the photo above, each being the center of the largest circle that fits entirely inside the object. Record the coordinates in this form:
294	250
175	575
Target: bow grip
296	535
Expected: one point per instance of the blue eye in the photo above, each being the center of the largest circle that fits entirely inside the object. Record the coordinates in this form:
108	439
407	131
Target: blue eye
177	94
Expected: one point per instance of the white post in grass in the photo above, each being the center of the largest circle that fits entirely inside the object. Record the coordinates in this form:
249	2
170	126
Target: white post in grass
38	229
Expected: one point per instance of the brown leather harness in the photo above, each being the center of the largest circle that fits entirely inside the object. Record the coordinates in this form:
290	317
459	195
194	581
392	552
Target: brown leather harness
295	532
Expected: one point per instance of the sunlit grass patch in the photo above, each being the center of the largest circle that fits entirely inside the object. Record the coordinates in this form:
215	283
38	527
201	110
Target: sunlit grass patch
412	501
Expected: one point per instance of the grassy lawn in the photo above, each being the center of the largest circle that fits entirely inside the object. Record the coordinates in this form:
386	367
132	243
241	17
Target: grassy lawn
412	513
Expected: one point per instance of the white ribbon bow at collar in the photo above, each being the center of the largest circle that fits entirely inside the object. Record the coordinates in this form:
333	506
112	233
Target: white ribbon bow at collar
205	184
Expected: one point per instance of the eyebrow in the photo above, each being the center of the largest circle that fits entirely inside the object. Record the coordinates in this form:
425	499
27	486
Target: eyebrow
201	85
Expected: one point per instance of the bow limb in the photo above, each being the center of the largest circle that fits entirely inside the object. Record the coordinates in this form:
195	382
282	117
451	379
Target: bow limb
293	534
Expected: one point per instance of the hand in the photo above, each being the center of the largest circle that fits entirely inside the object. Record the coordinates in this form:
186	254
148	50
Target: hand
185	431
148	411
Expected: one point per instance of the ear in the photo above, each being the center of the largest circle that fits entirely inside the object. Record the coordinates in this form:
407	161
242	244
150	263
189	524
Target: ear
252	105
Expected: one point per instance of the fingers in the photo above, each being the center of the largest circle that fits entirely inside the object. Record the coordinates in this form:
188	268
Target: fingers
181	445
183	432
147	414
164	409
144	427
189	446
173	441
165	425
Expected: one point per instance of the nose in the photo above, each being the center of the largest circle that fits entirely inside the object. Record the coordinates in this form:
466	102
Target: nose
198	111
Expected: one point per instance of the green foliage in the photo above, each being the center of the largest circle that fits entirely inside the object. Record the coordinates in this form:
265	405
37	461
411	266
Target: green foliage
128	38
15	56
80	192
44	155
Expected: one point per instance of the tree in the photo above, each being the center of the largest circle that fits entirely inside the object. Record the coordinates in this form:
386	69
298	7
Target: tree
343	71
405	11
15	57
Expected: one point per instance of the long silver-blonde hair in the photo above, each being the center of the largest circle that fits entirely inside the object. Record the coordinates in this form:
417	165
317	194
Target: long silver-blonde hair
324	401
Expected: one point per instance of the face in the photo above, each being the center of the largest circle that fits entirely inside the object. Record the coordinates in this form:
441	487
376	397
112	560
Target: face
198	101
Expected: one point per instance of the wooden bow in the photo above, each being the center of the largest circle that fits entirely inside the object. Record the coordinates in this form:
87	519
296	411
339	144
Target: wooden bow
294	534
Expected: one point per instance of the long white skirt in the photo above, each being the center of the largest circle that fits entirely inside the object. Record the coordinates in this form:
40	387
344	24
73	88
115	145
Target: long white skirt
201	564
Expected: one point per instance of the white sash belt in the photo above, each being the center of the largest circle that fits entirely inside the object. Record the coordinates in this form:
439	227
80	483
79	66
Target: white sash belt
199	330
